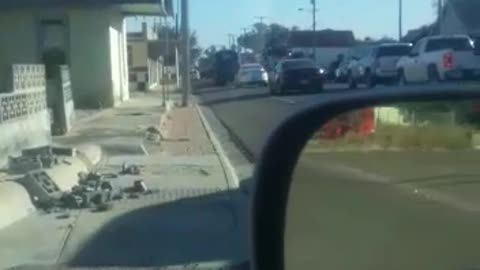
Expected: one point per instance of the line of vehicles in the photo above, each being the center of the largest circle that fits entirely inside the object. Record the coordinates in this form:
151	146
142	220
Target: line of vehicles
431	59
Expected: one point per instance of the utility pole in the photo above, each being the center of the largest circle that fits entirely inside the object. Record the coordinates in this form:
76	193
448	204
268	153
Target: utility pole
167	59
177	45
439	16
186	54
314	26
261	18
400	20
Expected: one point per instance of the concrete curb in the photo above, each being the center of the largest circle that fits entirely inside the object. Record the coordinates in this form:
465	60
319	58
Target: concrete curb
230	172
16	203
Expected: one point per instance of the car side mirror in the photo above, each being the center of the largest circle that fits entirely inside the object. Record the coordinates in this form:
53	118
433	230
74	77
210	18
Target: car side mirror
373	175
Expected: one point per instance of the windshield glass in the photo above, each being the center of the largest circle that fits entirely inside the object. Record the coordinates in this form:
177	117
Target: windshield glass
130	129
456	44
394	51
298	64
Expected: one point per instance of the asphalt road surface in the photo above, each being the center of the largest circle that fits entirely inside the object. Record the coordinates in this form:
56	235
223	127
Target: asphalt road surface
339	219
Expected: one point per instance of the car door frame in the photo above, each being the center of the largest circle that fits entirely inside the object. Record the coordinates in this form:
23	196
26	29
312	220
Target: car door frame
410	68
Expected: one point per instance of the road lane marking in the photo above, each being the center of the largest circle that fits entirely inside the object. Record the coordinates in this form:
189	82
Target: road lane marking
285	100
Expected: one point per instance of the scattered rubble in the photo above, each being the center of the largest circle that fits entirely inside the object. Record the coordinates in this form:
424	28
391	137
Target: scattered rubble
139	186
130	169
44	157
153	134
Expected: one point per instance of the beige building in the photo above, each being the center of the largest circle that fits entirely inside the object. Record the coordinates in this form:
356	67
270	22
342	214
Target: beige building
146	59
88	36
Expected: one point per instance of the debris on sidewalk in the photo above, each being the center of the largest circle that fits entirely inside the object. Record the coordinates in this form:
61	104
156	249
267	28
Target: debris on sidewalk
130	169
153	134
38	158
140	186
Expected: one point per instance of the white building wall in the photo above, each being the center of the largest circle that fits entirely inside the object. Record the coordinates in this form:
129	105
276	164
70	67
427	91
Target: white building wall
126	85
90	57
97	51
119	64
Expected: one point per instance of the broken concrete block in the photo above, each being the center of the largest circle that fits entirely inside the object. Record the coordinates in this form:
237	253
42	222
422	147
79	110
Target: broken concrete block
64	151
40	185
37	151
22	165
106	186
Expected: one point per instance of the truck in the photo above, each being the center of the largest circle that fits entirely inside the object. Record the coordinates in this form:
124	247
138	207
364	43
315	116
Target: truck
440	58
379	65
225	67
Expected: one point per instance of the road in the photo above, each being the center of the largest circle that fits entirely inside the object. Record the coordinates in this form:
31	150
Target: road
342	217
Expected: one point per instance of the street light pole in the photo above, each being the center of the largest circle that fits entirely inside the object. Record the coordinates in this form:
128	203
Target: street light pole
186	54
400	20
314	15
177	46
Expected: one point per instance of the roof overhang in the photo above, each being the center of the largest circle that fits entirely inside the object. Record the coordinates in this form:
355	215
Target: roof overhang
128	7
143	10
146	7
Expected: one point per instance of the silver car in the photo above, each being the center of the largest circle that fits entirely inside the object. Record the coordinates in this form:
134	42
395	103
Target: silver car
251	75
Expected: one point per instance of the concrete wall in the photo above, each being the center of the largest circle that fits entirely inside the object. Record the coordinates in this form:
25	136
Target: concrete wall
90	57
24	118
139	53
118	52
96	50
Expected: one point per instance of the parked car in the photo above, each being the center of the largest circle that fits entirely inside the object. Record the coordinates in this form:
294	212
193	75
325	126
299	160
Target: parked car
439	58
296	75
251	74
379	65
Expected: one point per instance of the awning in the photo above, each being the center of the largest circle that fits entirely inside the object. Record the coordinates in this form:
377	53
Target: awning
129	7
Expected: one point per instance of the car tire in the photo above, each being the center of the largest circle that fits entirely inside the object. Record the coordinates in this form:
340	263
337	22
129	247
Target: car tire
433	75
370	80
352	84
272	90
401	79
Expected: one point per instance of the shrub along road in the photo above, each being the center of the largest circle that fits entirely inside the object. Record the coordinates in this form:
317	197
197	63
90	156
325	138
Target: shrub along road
412	207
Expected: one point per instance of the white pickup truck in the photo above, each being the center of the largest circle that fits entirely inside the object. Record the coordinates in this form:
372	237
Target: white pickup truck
439	58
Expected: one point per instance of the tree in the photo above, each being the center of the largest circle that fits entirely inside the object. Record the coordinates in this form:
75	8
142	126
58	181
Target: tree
164	31
265	38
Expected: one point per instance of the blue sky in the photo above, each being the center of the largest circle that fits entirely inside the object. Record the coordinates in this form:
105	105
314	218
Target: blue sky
214	19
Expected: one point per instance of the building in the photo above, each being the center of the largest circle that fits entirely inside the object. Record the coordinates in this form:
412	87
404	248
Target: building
88	36
328	44
460	17
149	59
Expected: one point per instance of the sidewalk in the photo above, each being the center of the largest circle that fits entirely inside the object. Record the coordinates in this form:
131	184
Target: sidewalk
189	215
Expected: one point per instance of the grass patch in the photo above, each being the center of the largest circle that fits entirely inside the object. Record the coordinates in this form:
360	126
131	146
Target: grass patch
404	137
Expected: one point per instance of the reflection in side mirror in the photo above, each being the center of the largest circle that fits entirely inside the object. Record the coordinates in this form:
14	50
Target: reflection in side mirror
393	187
